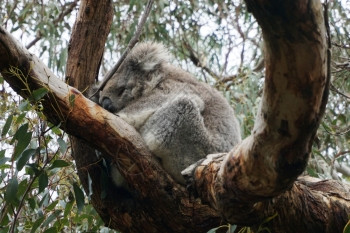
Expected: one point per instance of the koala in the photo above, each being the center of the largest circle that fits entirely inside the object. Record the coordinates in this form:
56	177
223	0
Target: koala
180	118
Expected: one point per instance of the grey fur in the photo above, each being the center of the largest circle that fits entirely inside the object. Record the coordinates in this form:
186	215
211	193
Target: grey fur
181	119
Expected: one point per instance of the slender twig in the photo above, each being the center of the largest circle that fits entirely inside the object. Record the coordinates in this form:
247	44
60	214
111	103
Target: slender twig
131	44
195	59
36	175
16	213
197	62
345	131
329	57
341	153
333	88
11	12
341	45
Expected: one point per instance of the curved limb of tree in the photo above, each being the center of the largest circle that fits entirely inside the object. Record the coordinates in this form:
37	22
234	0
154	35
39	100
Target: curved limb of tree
256	180
293	103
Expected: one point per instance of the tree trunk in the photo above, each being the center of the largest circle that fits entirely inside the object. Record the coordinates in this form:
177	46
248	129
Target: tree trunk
254	181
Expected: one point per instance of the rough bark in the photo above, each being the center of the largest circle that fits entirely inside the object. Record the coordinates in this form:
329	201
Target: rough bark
293	103
92	27
252	182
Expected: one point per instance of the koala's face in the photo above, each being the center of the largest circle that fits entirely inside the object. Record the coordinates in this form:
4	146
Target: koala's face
123	88
138	75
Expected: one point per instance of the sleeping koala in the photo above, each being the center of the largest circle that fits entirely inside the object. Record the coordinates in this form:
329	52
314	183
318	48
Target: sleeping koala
181	119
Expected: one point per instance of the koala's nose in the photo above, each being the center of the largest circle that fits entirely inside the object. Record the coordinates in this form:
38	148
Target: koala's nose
107	104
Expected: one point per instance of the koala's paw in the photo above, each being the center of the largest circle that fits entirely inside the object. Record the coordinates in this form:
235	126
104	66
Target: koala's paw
189	102
188	175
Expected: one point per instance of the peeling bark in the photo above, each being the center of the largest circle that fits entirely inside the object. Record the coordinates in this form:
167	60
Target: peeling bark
254	181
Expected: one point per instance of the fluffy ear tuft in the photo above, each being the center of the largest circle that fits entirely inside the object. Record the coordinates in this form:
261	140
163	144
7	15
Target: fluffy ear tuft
91	91
147	56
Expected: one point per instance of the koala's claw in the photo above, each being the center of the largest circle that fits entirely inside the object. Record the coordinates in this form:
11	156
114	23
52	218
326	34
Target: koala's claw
188	175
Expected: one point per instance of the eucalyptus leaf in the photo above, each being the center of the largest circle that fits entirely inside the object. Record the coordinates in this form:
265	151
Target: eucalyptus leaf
20	118
37	224
4	160
23	159
79	197
63	145
23	142
68	208
32	203
7	125
51	230
52	205
52	217
59	163
22	187
11	191
2	153
24	105
43	181
38	94
347	228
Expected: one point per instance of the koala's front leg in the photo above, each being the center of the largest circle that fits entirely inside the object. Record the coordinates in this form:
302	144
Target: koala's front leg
176	133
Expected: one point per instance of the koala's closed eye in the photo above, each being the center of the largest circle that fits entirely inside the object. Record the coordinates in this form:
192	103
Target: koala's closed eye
120	91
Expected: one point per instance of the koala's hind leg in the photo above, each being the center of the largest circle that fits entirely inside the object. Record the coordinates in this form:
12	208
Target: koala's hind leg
177	135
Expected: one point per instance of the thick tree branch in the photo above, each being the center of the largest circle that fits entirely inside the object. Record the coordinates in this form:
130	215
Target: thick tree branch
91	27
292	104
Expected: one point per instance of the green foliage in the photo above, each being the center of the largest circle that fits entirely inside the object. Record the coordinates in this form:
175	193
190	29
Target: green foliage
79	197
7	125
332	145
39	93
230	228
347	228
233	228
37	176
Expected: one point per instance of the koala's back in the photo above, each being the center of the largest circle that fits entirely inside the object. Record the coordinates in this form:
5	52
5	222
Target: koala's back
218	116
189	120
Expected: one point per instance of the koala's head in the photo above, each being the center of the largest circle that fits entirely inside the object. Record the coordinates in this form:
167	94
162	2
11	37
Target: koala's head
139	74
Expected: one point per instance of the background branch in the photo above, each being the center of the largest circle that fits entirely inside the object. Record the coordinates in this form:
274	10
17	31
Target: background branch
55	22
131	44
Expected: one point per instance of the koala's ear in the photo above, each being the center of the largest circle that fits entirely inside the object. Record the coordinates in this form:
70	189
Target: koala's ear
92	95
148	56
